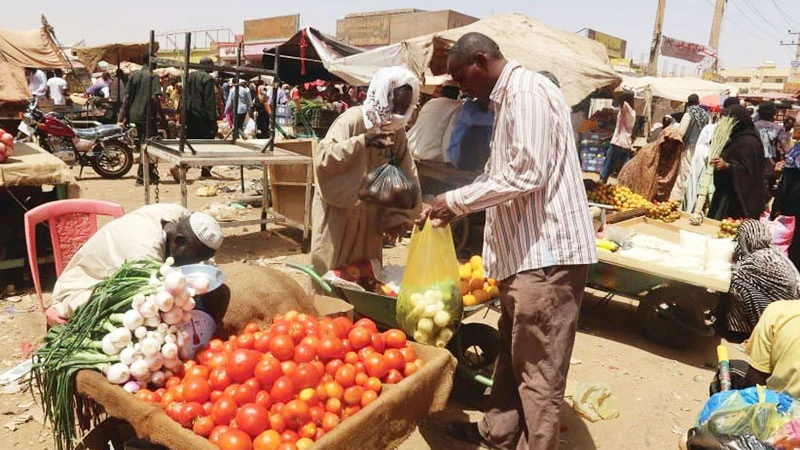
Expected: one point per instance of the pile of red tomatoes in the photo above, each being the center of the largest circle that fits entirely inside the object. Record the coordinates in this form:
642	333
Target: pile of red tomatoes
286	386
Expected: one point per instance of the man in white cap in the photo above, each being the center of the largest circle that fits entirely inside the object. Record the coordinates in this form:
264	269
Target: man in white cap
151	232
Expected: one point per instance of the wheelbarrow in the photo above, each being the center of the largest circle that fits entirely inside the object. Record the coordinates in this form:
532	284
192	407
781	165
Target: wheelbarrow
475	345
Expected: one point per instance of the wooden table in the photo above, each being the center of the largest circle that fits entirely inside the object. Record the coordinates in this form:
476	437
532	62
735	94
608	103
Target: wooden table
33	166
241	154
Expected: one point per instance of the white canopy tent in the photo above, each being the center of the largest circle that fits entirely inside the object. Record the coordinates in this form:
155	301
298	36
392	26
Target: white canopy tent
675	88
580	64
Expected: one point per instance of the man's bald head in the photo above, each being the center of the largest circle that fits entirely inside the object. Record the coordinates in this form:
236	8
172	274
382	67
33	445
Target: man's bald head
470	44
475	63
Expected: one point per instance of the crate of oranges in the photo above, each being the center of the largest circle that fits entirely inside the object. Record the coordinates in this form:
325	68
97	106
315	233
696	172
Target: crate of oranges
475	287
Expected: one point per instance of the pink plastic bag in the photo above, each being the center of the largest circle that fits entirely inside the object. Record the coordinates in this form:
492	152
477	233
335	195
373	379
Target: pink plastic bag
782	231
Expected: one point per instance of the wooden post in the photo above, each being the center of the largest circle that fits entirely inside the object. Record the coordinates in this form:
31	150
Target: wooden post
655	46
716	30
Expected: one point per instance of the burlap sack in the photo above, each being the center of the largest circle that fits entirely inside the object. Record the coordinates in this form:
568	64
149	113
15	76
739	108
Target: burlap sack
384	424
259	293
390	420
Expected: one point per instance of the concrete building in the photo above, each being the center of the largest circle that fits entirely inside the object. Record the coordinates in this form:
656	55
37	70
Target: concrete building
767	77
375	29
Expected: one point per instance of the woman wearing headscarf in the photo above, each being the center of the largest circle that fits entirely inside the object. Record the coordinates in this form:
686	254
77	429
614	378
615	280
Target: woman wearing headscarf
787	198
739	188
345	229
761	275
653	170
691	124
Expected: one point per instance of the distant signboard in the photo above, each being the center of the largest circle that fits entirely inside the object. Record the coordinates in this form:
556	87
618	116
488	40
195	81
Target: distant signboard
364	31
271	28
615	47
795	64
688	51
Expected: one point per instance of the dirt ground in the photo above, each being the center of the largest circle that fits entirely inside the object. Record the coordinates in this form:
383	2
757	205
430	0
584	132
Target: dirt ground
659	391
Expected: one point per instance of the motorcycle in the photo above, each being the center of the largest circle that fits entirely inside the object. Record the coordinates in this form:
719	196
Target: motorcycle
106	148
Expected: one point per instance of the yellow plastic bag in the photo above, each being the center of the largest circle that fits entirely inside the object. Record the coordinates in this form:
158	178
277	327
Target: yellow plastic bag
429	304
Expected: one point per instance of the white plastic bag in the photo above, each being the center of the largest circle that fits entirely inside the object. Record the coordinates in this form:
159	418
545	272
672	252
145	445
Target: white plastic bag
250	127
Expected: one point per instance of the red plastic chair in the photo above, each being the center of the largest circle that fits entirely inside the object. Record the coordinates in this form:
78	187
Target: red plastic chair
71	223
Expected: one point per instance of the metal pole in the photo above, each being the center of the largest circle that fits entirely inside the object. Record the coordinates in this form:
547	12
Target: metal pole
184	77
275	86
236	95
148	117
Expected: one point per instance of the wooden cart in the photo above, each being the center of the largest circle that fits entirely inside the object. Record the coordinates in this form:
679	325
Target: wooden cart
672	302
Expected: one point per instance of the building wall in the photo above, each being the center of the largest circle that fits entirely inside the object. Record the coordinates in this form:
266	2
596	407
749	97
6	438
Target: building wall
765	78
384	28
195	57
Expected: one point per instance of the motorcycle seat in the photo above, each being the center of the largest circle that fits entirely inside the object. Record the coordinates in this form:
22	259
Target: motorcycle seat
98	132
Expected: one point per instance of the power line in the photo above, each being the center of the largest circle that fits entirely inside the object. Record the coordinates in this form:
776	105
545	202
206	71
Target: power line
789	21
743	28
759	14
749	19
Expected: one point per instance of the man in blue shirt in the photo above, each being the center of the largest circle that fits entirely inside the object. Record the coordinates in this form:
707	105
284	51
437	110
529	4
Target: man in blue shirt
469	141
245	100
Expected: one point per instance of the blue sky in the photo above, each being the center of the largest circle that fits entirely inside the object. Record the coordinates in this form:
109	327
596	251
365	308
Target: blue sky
750	35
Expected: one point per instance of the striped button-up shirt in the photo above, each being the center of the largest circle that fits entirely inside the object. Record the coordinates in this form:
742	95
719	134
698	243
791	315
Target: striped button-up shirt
536	207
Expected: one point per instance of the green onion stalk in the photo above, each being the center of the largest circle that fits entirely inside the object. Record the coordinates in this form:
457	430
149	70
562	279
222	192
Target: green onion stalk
722	133
75	346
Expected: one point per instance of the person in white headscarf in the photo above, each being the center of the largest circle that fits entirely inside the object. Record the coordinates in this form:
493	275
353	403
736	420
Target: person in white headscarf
345	229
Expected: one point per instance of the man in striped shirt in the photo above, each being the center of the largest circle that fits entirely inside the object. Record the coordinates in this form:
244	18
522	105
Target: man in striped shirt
538	240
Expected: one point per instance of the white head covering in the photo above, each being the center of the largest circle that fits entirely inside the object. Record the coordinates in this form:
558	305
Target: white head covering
378	104
206	229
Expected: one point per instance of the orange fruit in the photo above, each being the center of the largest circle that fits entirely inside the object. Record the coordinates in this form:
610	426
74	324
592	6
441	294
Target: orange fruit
476	284
493	291
480	295
491	281
477	274
464	287
465	271
469	300
476	262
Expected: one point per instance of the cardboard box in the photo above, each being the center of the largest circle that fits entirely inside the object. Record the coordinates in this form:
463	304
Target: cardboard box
333	307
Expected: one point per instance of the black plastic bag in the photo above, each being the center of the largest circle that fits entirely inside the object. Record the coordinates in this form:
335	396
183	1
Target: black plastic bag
388	186
703	440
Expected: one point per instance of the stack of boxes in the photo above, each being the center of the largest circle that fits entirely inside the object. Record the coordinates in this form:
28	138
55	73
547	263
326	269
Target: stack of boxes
593	148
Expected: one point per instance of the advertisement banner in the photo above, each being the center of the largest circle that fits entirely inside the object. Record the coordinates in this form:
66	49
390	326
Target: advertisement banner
615	47
689	51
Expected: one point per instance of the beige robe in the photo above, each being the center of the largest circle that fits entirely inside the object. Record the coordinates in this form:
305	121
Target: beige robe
345	229
137	235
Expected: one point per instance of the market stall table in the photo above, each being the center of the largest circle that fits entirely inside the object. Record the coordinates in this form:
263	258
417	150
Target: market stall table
241	154
672	300
32	166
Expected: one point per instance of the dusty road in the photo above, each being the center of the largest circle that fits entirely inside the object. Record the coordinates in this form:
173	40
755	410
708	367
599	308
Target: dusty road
658	391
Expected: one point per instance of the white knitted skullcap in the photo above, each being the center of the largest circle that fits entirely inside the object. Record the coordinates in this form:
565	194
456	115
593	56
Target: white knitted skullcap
206	229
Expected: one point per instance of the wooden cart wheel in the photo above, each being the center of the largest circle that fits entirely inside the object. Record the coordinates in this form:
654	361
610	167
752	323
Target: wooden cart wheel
476	346
460	228
674	316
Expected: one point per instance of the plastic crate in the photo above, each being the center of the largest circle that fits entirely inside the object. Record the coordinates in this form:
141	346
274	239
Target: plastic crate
322	118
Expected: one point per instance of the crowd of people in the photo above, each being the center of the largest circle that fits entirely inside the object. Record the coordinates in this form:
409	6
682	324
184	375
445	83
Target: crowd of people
754	178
